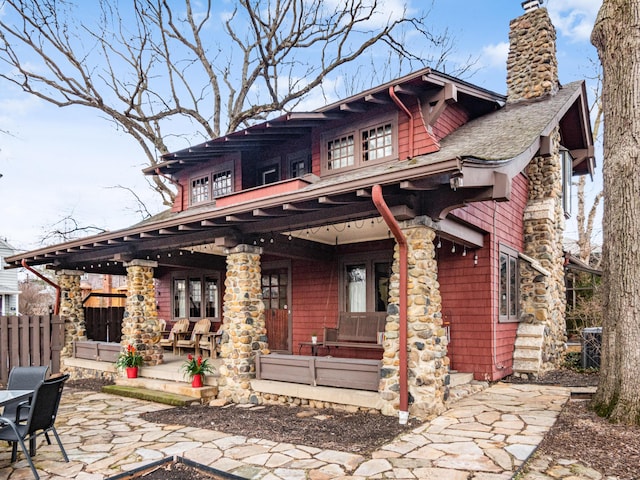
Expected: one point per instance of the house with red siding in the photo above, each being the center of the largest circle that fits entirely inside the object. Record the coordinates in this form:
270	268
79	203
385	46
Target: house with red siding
416	227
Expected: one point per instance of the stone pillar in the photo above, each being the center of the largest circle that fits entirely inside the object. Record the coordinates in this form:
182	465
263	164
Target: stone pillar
71	310
244	332
542	291
428	364
140	326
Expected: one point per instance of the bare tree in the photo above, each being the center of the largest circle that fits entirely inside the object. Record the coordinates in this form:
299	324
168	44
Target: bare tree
162	71
585	221
617	39
36	297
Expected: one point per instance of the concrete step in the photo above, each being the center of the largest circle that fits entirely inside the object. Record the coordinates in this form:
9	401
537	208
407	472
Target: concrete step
526	366
530	330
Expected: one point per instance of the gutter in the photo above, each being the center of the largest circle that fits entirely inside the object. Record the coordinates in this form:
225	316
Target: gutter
404	108
381	205
56	306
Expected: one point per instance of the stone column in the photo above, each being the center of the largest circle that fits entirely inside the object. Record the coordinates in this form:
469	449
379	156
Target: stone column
71	310
428	364
244	332
542	291
140	326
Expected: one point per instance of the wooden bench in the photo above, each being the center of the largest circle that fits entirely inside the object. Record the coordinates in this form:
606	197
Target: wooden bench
356	330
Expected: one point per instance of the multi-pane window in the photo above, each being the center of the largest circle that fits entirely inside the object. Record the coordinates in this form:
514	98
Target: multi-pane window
359	146
366	285
508	287
200	189
377	143
195	297
340	153
274	289
222	183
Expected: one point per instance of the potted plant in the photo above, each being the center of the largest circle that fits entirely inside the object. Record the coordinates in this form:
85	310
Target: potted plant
196	368
314	337
130	360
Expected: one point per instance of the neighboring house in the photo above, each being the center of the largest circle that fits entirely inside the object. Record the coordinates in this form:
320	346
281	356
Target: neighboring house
427	202
9	292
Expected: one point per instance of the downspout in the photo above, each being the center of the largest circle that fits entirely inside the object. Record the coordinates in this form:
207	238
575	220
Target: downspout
177	184
391	222
56	306
403	107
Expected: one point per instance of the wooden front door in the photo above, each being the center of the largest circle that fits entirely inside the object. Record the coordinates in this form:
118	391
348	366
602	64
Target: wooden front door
275	294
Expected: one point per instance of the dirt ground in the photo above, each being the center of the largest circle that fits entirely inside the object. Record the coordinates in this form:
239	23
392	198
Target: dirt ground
579	434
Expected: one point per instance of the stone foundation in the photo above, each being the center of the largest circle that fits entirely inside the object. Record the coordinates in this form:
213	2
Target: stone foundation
140	326
428	364
71	309
244	332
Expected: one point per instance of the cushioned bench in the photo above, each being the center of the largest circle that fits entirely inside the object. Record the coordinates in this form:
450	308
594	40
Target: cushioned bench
356	330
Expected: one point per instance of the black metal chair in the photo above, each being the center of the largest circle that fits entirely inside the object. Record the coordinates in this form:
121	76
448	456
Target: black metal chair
23	378
40	421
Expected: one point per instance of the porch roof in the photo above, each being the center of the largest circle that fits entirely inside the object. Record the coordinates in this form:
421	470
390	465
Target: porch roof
482	155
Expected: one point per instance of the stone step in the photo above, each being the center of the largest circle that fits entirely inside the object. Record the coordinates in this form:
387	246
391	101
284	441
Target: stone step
527	354
157	396
458	378
203	394
529	342
530	330
524	366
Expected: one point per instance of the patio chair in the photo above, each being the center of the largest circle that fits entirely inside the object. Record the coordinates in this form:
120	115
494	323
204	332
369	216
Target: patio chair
181	326
210	341
40	421
23	378
200	328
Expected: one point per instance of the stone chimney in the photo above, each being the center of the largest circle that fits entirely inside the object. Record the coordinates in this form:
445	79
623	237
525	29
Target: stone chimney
532	67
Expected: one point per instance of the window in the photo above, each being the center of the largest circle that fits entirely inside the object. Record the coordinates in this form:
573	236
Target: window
366	285
274	289
366	144
567	171
222	183
299	164
270	174
195	297
508	288
200	189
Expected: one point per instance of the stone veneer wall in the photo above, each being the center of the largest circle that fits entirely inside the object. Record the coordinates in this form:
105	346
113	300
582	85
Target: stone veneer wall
428	364
140	326
543	297
71	310
244	332
532	67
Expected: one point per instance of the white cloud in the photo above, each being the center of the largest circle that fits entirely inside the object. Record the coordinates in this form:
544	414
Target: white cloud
495	55
574	18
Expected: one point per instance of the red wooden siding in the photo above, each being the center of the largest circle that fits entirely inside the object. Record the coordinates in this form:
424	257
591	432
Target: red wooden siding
479	343
450	119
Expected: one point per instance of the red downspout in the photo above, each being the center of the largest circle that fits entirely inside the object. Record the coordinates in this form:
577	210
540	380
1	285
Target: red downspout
391	222
402	106
177	184
56	307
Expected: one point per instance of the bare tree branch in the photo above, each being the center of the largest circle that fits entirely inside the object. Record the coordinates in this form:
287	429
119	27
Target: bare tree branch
169	74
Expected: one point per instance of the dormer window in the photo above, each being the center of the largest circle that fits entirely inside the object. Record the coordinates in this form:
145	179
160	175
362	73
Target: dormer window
366	144
200	189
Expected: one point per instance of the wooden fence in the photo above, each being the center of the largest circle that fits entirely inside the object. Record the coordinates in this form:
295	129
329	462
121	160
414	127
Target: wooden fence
30	340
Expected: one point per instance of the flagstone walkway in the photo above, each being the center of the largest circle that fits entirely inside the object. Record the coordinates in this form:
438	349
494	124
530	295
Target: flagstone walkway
489	434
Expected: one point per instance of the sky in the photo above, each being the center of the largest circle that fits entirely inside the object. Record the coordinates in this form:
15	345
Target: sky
59	162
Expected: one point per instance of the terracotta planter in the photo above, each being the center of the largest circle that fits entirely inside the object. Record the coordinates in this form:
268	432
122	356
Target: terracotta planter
196	381
132	372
